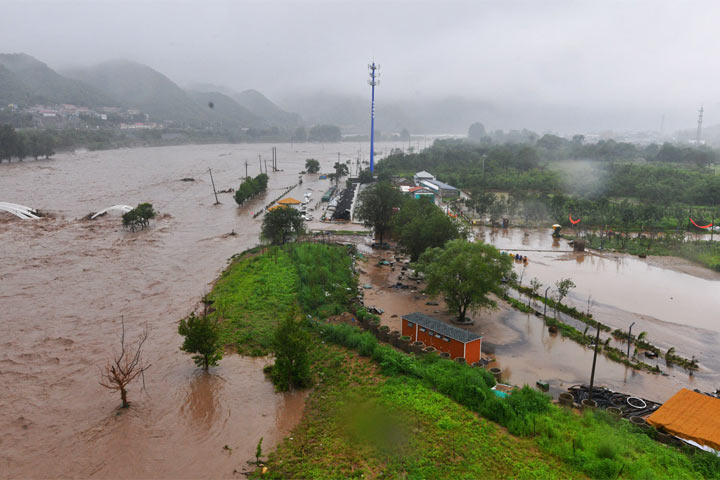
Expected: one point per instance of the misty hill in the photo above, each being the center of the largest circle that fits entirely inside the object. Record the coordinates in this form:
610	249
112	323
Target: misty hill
261	106
226	110
138	86
25	80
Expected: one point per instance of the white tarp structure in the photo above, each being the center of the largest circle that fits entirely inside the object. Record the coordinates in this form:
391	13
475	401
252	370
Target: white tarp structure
114	208
20	211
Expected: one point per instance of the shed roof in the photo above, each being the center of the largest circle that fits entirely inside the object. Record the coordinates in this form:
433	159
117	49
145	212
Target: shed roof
441	327
289	201
442	185
424	174
692	416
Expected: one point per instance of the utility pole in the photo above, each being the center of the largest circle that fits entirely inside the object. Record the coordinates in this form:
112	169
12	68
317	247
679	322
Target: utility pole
217	202
265	167
699	128
592	374
260	162
630	339
245	168
373	82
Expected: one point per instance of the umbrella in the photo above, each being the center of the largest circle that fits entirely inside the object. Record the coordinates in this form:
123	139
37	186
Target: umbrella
556	225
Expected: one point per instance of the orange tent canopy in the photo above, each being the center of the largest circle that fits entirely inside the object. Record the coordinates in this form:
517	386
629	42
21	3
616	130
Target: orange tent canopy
289	201
692	416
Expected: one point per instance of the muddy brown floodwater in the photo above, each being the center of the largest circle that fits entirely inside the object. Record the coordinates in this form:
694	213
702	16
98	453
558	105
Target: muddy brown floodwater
524	349
65	284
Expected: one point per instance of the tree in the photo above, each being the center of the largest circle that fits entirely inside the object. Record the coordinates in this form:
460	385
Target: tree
139	217
312	165
292	357
325	133
420	225
476	132
378	204
202	337
466	274
280	224
300	135
564	285
251	187
126	366
365	176
404	135
341	170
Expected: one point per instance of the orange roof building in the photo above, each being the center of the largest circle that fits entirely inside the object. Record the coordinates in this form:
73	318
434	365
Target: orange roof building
691	416
289	201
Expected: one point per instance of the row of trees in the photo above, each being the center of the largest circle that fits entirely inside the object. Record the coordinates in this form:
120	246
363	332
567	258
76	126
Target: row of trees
21	145
553	147
417	224
251	187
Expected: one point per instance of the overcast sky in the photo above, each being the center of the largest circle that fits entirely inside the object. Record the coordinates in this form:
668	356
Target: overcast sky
656	56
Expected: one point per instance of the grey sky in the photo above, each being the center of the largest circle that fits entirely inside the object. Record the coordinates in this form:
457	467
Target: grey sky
656	56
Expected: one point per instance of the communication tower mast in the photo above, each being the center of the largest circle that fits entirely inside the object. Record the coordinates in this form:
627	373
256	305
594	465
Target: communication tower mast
374	80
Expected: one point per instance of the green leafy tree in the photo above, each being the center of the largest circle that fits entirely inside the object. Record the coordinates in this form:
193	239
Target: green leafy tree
420	225
281	224
292	357
564	285
139	217
465	273
366	176
202	338
378	204
341	170
251	187
312	165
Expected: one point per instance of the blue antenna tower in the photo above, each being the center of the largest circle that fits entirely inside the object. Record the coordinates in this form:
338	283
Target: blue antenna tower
374	80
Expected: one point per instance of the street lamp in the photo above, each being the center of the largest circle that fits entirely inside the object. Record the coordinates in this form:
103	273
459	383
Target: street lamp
629	338
545	308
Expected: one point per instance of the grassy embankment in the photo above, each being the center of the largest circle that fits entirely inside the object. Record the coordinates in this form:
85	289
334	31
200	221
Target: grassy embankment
380	412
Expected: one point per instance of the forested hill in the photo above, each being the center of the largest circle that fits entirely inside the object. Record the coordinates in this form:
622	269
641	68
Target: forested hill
224	110
25	81
140	87
260	105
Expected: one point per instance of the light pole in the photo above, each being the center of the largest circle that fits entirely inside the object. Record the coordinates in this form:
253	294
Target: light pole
630	338
545	308
373	82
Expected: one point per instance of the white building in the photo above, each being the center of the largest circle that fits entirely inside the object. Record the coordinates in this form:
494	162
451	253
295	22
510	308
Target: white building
420	176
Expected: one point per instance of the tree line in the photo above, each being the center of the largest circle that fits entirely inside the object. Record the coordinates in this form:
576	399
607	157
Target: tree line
251	187
24	144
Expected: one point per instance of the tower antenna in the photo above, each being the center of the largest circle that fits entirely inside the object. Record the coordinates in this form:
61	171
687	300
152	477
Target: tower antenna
374	80
699	129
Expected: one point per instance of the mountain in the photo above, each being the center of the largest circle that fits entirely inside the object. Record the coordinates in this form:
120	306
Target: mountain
140	87
225	110
261	106
25	80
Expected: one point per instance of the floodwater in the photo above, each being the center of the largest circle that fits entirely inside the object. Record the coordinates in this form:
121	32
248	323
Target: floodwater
526	351
676	308
66	283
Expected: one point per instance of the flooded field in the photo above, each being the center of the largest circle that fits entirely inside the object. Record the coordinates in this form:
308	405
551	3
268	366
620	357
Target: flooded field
65	283
526	352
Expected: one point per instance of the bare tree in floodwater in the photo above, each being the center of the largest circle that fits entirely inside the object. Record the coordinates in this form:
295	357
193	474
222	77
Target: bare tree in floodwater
126	366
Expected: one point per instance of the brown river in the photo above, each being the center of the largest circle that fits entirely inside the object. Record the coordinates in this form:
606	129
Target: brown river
65	283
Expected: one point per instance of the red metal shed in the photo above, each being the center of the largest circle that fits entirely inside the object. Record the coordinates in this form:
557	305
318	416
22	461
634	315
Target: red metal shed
444	337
